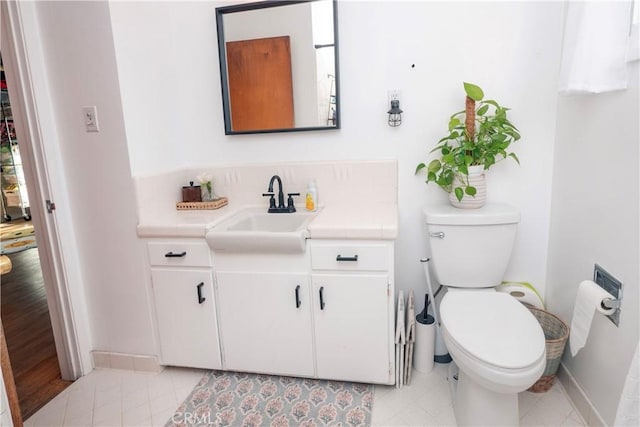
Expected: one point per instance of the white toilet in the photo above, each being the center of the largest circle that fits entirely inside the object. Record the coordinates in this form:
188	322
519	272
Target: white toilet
496	342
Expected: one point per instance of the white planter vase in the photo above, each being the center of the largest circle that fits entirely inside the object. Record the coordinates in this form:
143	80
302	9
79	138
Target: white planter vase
477	180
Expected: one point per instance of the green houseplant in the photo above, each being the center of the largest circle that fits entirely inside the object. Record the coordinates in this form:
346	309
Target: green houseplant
479	136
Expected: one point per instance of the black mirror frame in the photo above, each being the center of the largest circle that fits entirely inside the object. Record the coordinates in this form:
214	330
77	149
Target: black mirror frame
220	12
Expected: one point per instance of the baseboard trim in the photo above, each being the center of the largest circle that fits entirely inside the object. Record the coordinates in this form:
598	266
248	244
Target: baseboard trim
579	398
128	362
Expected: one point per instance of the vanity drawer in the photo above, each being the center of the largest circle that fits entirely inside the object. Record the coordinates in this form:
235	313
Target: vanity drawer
179	253
357	257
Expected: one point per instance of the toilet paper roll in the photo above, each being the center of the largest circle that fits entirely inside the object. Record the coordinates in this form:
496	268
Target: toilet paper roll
523	293
588	300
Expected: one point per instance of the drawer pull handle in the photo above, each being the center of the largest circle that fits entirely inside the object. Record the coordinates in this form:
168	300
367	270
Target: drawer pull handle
172	255
347	258
201	299
298	296
321	297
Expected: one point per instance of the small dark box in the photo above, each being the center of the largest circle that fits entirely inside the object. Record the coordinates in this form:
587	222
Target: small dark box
191	193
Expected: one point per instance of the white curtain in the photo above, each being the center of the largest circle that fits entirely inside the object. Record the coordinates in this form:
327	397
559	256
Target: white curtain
595	46
628	413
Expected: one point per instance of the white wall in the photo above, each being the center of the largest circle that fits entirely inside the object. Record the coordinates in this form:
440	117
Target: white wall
595	220
500	46
79	68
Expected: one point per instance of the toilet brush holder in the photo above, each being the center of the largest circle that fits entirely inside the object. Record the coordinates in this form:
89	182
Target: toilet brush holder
425	344
441	353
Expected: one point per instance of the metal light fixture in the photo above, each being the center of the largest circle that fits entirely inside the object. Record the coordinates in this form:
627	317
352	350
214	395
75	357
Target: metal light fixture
395	114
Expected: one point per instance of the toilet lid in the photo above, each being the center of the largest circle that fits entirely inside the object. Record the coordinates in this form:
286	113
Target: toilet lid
493	327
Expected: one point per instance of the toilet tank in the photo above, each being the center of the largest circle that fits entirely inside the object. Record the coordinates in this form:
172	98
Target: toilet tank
471	248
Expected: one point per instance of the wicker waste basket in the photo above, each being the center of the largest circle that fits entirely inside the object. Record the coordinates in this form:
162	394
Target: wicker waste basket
556	333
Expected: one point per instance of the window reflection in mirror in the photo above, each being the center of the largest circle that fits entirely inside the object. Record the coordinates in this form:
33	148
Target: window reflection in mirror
279	66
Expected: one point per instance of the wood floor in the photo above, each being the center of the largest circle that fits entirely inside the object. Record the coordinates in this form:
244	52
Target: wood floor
25	317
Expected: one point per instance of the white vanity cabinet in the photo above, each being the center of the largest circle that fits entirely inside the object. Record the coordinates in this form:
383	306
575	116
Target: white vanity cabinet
325	313
265	320
265	313
352	286
184	302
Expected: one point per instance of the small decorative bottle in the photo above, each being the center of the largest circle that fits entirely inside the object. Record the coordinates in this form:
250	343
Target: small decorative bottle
311	197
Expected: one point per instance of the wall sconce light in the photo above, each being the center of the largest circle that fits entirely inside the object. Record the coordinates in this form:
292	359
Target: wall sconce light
395	114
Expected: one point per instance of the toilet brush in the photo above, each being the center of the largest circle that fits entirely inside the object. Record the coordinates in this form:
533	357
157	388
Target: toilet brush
424	313
441	352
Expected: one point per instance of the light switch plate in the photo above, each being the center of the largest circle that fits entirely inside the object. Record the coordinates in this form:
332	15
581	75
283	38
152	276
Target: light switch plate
90	118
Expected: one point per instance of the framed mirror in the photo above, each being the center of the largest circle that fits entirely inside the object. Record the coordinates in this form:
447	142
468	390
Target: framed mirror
279	66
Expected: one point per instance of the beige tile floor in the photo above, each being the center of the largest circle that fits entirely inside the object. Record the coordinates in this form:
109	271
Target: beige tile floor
125	398
426	401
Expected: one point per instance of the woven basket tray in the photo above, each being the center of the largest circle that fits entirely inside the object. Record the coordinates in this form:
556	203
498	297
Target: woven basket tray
214	204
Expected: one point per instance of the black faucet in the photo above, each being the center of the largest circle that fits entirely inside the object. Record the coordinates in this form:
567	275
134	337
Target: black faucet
281	208
280	193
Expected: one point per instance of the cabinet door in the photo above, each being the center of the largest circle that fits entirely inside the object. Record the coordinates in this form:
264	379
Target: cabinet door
352	327
185	309
263	328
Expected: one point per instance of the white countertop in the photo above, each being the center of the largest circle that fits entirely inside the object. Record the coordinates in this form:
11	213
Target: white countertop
373	221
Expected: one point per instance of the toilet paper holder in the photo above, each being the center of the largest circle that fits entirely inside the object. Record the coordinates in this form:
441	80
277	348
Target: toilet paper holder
610	303
606	281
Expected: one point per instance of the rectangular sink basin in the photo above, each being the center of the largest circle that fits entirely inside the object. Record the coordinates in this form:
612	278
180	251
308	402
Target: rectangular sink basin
276	223
254	230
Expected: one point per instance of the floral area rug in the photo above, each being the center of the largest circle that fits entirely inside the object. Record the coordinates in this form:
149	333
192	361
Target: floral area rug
252	400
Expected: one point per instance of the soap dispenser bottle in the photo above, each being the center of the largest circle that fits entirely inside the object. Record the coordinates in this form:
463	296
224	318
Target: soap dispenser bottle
311	197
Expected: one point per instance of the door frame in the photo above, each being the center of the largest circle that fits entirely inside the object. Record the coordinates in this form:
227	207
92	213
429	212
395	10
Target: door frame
9	385
27	124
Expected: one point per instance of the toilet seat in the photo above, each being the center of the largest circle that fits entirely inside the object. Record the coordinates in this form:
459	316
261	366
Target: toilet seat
494	327
493	338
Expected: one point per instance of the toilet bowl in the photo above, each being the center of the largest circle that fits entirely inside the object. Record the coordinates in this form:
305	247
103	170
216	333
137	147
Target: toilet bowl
499	348
496	342
494	339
